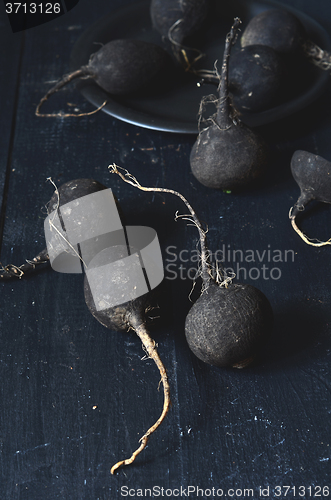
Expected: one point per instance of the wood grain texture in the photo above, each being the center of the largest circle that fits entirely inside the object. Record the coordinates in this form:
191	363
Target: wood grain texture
76	398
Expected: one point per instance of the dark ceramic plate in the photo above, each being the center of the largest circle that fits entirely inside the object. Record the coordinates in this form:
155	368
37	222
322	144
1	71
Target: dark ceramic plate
174	107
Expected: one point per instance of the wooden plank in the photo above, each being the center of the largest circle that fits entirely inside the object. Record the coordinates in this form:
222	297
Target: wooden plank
9	84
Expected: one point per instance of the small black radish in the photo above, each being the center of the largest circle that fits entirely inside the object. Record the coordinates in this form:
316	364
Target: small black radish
230	323
119	67
176	20
284	32
313	175
227	154
67	192
255	78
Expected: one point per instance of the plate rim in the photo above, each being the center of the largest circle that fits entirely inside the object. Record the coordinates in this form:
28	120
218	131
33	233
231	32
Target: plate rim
97	96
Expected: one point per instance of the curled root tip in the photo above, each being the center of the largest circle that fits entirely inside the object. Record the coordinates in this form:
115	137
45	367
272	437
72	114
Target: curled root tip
150	347
305	238
116	466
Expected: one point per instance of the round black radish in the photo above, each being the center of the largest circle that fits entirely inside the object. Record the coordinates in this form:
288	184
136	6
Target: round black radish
176	20
277	28
120	67
228	159
227	154
313	175
230	323
283	31
67	192
255	78
228	326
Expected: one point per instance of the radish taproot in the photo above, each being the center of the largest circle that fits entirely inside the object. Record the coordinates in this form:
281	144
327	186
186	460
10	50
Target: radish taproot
256	75
119	67
132	315
313	175
227	154
176	20
281	30
67	192
230	323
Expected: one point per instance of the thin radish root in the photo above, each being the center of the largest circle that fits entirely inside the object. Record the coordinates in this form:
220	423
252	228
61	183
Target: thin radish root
65	115
313	242
11	271
80	73
206	272
150	346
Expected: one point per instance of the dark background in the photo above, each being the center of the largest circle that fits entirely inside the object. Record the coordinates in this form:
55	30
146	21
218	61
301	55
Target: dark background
76	397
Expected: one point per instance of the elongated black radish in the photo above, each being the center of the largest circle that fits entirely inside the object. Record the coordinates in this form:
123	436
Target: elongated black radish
313	175
131	315
68	191
227	154
281	30
230	323
119	67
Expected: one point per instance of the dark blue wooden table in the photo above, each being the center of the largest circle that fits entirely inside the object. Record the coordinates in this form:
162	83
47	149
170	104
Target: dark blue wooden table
76	397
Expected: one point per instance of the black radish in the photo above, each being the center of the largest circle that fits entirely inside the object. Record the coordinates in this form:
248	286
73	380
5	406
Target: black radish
227	154
313	175
176	20
255	78
230	323
131	315
68	191
119	67
281	30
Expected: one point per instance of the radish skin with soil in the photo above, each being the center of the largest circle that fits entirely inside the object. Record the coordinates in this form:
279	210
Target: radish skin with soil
227	154
313	175
256	75
230	322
